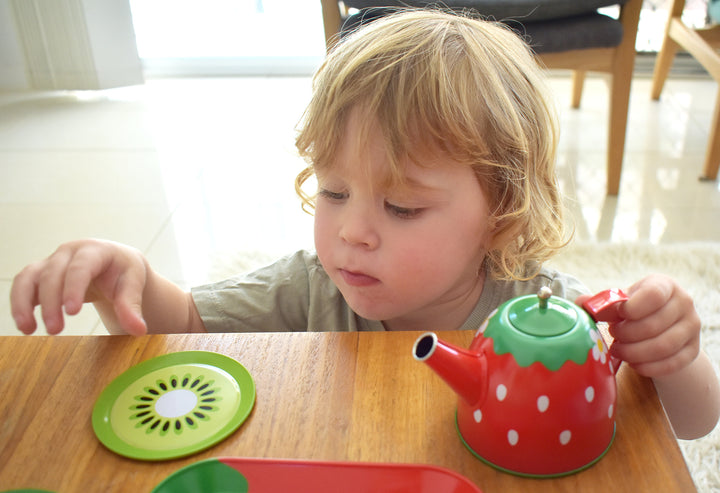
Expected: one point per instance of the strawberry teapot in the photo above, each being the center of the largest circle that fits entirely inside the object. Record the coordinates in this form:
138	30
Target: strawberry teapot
536	389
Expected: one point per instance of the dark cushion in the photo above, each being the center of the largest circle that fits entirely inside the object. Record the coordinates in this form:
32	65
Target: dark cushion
570	33
525	10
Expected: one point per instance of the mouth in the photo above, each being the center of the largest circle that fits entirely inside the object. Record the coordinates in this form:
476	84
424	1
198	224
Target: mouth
358	279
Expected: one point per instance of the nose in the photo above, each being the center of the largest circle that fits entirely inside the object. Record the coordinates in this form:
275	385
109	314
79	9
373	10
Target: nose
358	226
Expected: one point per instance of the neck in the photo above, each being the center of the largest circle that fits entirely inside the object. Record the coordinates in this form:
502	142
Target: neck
449	314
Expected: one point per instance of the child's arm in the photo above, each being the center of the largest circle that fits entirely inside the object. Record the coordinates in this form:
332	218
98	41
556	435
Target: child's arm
127	293
660	338
691	398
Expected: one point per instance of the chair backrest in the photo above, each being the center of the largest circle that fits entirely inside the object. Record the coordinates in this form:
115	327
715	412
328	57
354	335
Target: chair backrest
549	26
520	10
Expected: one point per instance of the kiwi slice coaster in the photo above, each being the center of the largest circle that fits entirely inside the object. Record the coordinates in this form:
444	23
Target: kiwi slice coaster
173	405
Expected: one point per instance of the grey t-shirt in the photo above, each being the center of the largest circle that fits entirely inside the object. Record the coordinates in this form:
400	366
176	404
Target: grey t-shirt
295	294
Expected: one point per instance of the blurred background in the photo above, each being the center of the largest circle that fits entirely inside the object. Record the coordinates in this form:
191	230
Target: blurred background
178	139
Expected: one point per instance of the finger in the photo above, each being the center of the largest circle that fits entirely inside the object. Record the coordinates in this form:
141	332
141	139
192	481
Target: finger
679	310
661	347
128	302
50	289
131	319
667	366
23	299
647	296
84	266
630	331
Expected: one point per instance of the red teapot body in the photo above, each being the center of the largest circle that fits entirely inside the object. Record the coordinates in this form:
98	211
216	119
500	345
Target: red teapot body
536	388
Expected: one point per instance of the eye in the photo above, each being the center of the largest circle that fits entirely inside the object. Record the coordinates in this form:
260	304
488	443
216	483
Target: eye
332	196
403	212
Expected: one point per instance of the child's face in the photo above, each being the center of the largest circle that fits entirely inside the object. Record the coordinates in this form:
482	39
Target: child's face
410	256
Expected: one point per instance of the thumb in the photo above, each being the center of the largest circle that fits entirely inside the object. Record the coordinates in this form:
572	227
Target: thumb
128	306
130	319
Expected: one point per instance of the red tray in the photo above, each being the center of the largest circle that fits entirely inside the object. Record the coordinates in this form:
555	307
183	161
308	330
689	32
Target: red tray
241	475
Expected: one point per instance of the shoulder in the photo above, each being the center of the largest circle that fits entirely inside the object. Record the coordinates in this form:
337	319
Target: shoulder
496	291
562	285
291	268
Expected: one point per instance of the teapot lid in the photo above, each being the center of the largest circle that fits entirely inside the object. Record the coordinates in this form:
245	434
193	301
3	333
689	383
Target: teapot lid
542	316
543	328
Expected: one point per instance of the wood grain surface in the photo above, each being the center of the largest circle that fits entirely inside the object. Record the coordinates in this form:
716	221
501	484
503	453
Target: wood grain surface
320	396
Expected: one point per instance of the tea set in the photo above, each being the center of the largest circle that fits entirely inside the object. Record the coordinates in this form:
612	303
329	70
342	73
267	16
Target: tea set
536	397
536	388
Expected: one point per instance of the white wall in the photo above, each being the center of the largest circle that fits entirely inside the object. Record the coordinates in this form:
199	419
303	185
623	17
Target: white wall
12	60
67	44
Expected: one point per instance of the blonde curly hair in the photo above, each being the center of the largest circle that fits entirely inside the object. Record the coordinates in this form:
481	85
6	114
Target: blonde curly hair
474	91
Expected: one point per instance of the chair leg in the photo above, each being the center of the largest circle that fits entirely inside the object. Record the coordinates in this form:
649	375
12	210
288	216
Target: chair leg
332	21
578	80
669	48
712	156
621	75
663	64
619	105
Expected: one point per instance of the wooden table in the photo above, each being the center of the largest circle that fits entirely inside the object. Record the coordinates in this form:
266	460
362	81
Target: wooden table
325	396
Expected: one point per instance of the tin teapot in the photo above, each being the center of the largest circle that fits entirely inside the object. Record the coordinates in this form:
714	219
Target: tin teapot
537	393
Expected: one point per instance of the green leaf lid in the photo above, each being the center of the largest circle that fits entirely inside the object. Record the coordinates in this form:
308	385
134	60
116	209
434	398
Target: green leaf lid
542	328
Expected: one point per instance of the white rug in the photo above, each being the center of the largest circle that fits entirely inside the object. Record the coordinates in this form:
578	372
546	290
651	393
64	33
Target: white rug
696	266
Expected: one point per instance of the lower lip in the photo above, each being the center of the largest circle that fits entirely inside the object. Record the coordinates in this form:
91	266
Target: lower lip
357	280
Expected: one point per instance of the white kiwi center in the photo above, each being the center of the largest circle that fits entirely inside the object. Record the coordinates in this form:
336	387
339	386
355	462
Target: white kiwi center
175	403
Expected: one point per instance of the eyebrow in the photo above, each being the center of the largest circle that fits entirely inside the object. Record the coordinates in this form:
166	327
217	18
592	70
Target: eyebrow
411	185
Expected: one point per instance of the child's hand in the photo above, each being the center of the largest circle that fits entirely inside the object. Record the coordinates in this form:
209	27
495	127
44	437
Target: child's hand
660	333
111	275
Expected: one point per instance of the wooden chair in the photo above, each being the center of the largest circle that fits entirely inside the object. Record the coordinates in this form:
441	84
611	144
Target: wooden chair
579	39
702	45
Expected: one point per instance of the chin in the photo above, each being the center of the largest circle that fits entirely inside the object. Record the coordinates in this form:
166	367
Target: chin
370	311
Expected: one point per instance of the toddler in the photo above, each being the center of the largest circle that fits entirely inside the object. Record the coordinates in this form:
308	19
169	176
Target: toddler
432	140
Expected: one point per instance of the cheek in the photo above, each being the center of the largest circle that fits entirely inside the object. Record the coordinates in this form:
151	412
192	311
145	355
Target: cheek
446	251
456	239
420	257
323	231
320	229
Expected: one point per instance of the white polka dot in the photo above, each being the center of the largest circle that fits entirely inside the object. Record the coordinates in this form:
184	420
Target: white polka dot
610	411
542	403
589	394
513	437
565	437
477	415
501	392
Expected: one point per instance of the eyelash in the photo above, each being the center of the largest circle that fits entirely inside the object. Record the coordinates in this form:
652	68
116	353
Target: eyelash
400	212
335	196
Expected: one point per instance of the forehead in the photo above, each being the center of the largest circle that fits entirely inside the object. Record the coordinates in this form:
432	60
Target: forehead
366	150
363	159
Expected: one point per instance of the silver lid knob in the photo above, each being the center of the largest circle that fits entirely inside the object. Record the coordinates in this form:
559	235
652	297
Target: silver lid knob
544	293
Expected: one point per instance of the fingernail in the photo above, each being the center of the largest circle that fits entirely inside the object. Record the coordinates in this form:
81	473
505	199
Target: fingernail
71	308
52	325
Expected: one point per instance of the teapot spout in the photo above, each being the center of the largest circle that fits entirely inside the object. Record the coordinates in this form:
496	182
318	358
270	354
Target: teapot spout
463	370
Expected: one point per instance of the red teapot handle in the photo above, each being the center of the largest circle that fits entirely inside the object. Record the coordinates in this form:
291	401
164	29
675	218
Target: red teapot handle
605	306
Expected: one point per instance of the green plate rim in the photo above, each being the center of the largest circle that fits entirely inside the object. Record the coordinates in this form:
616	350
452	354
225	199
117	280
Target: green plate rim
103	406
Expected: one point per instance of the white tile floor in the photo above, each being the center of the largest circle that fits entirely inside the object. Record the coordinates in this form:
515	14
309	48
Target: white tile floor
186	169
